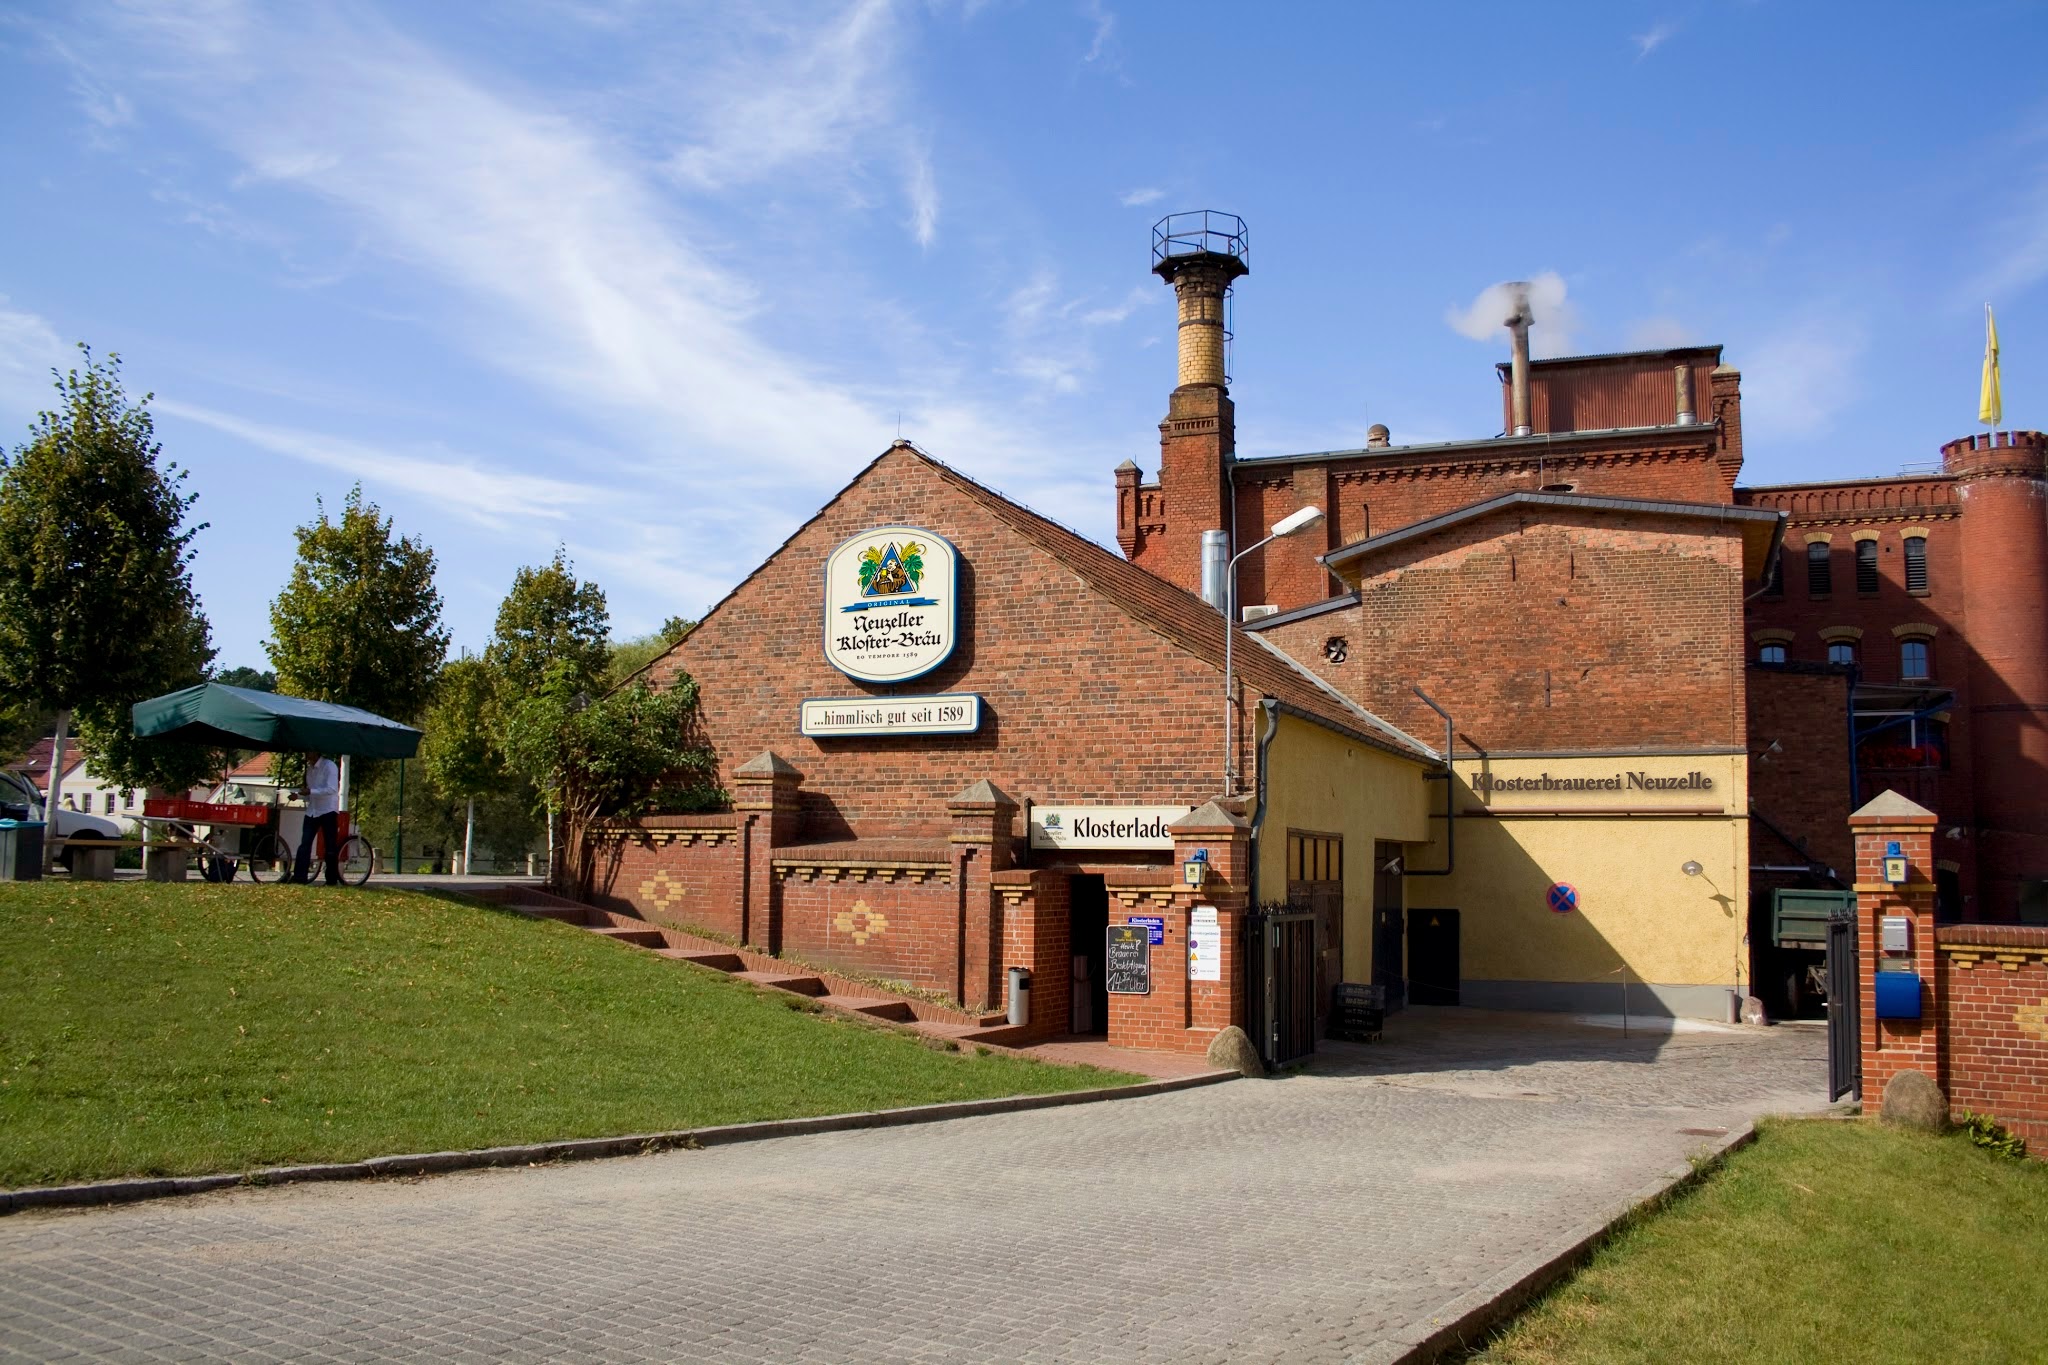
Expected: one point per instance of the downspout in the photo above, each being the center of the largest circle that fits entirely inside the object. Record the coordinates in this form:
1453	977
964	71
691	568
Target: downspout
1447	777
1271	708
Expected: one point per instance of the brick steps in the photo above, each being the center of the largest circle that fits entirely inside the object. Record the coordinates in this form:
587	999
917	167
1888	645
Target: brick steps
832	992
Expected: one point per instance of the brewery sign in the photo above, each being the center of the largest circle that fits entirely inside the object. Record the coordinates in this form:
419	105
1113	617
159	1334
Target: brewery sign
1104	826
953	713
891	604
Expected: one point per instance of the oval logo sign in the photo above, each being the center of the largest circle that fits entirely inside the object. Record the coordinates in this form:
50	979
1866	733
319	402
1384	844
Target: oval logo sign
891	604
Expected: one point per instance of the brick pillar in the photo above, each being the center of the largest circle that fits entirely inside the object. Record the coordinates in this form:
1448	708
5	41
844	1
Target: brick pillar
1220	829
765	794
1894	1045
1128	477
981	841
1724	406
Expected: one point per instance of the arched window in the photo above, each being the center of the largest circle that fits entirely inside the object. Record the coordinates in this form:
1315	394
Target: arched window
1913	666
1773	653
1916	563
1819	578
1841	652
1866	566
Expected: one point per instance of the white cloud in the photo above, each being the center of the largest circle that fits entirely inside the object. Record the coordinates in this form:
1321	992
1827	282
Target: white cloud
1131	302
1653	334
924	200
29	350
1553	318
1649	42
1798	378
1138	198
789	97
1102	45
458	484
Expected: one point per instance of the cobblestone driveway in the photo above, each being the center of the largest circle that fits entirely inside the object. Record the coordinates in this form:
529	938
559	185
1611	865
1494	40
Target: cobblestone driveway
1303	1218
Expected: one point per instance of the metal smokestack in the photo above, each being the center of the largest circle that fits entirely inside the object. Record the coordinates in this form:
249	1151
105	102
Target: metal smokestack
1518	328
1683	375
1215	564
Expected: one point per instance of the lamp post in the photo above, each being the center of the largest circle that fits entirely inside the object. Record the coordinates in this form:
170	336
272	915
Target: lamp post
1291	524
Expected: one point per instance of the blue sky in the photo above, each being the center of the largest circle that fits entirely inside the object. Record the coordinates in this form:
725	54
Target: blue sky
652	280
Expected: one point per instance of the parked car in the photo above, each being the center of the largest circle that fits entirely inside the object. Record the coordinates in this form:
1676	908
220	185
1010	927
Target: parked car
18	791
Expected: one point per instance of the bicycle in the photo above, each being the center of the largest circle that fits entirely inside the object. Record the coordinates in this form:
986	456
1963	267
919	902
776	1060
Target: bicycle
270	859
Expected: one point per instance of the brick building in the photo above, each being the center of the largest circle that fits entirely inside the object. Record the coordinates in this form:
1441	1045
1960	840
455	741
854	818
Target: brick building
1526	720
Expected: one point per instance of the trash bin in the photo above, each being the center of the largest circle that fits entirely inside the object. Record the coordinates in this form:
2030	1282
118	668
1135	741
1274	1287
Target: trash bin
1020	996
21	850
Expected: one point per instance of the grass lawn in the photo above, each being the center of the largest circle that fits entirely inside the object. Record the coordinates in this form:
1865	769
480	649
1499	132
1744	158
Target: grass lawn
1822	1241
175	1029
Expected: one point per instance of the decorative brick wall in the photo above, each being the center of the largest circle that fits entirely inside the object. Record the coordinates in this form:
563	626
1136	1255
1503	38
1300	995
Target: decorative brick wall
1983	1031
1994	994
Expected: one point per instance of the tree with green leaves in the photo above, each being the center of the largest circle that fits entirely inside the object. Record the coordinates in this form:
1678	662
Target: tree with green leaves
254	679
97	610
460	746
631	655
359	621
614	755
549	620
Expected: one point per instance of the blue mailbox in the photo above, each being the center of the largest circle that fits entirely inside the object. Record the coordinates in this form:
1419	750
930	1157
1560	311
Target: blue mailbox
1898	995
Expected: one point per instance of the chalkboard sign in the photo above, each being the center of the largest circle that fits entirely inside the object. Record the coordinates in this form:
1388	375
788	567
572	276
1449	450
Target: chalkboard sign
1357	1012
1130	960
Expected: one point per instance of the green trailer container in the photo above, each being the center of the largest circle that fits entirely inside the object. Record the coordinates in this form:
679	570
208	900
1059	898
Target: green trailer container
1795	962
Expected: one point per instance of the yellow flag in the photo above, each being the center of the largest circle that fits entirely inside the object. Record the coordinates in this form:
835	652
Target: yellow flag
1990	404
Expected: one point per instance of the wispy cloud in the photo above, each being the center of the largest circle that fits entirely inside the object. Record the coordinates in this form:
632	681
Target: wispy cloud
1138	198
1654	38
924	200
1652	334
1795	380
29	350
1553	318
458	484
1102	43
1137	298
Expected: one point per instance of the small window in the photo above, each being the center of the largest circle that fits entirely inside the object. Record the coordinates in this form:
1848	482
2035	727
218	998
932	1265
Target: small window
110	803
1365	521
128	799
1841	652
1913	661
1819	575
1314	858
1916	563
1771	654
1866	566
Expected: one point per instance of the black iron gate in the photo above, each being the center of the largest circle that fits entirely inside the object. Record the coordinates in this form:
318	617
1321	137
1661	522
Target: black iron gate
1280	983
1845	1045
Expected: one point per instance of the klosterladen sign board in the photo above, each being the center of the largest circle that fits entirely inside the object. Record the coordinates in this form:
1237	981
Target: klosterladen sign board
891	604
1104	826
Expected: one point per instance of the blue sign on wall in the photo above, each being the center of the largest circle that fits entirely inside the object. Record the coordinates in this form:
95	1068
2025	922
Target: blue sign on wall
1155	927
1562	898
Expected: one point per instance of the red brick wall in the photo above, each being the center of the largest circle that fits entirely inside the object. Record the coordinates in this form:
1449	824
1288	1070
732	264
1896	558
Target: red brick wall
686	885
1045	652
1894	1045
1994	988
1363	496
1035	934
1637	620
916	939
1803	788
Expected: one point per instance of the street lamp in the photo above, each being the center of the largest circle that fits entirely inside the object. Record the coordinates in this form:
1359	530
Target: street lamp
1291	524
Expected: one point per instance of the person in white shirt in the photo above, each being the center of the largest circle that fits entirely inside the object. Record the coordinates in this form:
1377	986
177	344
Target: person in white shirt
323	792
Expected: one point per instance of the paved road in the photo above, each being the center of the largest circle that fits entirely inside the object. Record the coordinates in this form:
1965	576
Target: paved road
1304	1218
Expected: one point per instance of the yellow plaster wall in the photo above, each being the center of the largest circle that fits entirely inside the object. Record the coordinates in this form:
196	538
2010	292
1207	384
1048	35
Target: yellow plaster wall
1322	782
1636	905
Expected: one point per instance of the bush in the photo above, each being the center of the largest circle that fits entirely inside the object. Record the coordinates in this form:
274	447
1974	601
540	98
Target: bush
1993	1136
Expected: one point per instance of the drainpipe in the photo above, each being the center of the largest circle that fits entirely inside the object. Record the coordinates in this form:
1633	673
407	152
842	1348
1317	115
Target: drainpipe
1447	776
1271	709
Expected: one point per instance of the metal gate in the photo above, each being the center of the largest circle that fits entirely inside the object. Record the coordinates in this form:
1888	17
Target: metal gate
1845	1047
1280	983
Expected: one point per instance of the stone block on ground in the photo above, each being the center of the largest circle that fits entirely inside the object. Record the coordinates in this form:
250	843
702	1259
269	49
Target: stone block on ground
1232	1050
1913	1100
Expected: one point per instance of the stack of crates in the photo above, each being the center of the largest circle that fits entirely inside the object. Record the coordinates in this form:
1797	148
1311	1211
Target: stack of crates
1357	1012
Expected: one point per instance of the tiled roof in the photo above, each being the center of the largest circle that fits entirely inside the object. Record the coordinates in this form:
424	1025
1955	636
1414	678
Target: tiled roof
1187	620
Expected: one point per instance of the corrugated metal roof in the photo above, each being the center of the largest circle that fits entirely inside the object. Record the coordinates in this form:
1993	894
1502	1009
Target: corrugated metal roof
1488	444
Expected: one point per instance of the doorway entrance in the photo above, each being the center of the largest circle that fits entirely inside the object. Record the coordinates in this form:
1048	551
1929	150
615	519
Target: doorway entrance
1088	931
1389	967
1433	957
1315	883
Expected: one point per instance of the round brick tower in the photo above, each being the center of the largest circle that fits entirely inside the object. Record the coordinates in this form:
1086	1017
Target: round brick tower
2002	482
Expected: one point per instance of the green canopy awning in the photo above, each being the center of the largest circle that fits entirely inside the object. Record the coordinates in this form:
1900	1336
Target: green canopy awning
239	718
